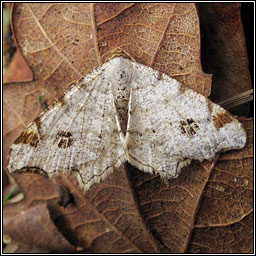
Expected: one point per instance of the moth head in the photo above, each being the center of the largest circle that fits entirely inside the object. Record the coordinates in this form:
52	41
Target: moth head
120	71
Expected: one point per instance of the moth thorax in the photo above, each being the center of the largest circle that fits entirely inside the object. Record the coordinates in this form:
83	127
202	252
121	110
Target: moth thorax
121	98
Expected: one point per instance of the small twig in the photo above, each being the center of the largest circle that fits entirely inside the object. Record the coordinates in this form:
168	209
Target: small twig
237	100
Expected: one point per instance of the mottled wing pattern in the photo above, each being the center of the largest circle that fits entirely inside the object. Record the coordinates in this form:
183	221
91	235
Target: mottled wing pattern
169	124
77	134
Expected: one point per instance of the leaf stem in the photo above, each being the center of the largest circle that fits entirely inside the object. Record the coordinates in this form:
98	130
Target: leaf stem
237	100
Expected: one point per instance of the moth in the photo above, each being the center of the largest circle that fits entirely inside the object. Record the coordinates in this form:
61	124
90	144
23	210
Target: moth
125	111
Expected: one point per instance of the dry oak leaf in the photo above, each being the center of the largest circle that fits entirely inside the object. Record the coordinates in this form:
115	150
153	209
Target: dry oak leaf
130	211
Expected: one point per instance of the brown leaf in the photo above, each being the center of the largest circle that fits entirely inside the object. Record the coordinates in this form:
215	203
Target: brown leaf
235	238
34	226
224	50
106	219
63	42
130	211
227	204
18	71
